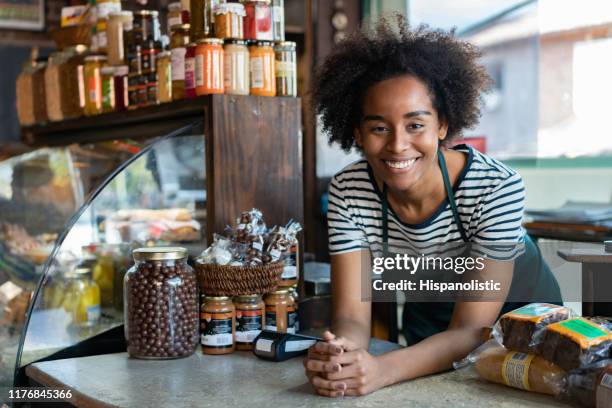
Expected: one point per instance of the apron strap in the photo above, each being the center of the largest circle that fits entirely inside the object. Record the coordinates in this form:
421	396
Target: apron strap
451	196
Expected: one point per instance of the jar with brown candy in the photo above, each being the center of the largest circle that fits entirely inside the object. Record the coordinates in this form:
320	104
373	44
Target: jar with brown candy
250	313
161	304
218	325
280	312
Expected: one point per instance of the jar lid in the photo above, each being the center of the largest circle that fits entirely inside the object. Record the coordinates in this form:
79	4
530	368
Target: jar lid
122	70
281	292
262	43
254	296
216	298
286	44
234	8
177	27
191	44
107	70
216	41
236	41
95	58
146	13
176	6
159	253
164	54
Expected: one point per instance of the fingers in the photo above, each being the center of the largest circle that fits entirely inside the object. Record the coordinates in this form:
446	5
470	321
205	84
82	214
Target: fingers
328	393
356	392
349	371
321	366
321	383
343	343
327	348
347	358
328	336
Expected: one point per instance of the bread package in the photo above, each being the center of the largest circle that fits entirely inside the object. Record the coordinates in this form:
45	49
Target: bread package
519	370
590	386
574	343
519	329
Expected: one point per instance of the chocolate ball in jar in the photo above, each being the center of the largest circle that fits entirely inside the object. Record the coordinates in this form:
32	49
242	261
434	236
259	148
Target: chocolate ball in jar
161	304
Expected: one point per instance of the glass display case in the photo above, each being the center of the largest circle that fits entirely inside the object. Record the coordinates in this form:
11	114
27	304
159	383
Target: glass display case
65	259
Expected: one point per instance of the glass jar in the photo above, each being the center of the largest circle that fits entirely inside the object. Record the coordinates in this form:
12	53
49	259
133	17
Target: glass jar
103	273
108	89
218	325
250	312
236	67
258	20
101	35
148	56
134	59
114	34
190	84
178	48
121	88
152	88
201	18
209	66
286	69
82	298
165	72
280	312
160	304
146	26
261	69
293	292
93	84
278	20
229	20
175	15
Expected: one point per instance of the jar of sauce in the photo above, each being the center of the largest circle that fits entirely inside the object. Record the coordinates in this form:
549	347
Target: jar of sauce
261	68
250	312
280	312
121	87
209	66
164	77
178	47
217	325
236	67
229	20
161	304
93	84
286	68
258	20
190	84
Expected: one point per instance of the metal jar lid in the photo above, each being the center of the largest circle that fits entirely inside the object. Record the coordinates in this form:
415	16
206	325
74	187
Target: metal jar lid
286	44
95	58
235	41
178	27
215	41
159	253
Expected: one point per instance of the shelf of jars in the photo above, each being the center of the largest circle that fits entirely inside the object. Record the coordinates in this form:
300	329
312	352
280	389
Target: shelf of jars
116	67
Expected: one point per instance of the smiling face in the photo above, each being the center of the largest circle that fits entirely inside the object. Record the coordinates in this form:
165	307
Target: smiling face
399	133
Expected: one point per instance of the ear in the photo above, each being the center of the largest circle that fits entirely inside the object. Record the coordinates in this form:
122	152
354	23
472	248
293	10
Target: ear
358	137
442	130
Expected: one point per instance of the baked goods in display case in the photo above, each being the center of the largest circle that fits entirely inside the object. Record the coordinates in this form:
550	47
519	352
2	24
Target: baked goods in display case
172	225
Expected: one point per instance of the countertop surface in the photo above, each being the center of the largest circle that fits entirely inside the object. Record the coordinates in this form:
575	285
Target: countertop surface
242	380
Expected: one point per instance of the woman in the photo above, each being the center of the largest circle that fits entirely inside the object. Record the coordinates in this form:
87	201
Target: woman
401	98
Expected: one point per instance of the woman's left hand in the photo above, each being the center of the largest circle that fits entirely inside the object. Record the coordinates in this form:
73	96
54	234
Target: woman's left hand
361	372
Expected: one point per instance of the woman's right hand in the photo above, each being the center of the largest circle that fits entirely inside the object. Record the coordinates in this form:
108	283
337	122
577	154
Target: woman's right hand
317	366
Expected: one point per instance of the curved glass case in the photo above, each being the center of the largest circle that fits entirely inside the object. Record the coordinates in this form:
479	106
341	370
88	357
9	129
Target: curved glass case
156	196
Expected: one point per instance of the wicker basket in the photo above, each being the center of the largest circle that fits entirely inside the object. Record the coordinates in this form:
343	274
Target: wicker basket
224	280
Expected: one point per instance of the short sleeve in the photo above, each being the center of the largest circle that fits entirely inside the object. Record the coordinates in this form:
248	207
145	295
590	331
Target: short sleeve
499	230
344	233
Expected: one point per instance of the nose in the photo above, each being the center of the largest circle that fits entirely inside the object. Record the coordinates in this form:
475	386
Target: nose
398	141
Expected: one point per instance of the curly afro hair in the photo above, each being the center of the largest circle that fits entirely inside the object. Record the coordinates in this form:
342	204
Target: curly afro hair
445	64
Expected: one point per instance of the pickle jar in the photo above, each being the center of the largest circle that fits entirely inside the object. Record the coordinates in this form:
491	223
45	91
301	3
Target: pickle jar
165	73
250	312
178	48
82	297
160	304
286	68
261	69
218	325
280	312
236	66
93	84
209	66
229	20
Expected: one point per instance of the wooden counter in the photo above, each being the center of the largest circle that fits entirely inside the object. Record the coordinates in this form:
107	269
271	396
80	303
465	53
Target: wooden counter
242	380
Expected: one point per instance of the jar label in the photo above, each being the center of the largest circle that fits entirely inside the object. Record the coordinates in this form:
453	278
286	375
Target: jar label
102	39
174	20
271	321
257	72
178	63
248	325
284	69
190	82
199	70
291	321
216	333
103	9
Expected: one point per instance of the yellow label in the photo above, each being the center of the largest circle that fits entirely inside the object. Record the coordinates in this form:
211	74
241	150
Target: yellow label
515	370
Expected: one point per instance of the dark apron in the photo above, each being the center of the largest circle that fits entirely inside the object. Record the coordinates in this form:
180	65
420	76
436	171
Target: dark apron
532	279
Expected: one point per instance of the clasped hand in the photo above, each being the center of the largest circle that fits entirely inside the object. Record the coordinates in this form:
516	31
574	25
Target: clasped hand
337	367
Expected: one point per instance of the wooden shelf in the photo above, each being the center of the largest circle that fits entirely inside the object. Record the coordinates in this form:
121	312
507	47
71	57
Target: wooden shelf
142	123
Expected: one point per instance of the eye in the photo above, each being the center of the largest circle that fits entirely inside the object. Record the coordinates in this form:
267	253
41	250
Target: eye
415	126
380	129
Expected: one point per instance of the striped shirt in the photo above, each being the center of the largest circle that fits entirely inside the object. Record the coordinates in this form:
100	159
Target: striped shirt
490	199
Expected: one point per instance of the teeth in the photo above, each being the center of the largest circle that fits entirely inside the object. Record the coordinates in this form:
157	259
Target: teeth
401	164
